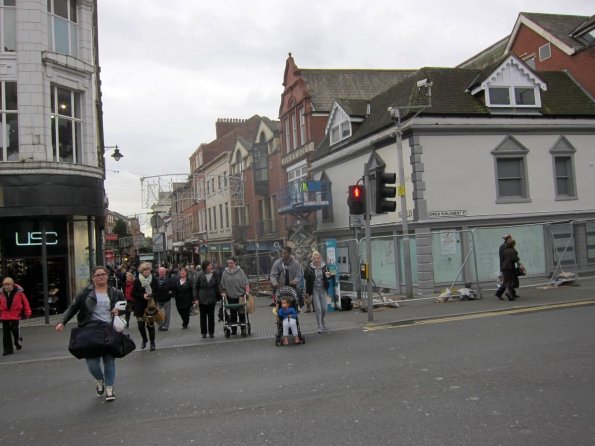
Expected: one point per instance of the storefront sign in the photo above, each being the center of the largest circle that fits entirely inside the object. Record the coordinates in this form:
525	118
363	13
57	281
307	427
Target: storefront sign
36	238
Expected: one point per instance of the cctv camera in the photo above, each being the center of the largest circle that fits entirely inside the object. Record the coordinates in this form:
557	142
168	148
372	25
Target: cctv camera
391	110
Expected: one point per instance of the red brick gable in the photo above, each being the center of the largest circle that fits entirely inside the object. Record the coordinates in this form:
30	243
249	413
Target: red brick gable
580	65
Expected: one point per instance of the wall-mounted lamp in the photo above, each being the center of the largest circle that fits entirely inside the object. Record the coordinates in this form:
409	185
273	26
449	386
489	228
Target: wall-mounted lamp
116	155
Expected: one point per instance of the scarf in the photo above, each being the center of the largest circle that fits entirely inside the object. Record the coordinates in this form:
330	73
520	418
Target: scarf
146	282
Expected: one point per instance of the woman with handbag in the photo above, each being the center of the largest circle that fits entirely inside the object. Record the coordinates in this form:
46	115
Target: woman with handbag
95	305
142	290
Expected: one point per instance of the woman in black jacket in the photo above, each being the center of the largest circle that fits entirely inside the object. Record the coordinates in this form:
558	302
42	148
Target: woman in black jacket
145	285
207	291
96	305
510	258
182	289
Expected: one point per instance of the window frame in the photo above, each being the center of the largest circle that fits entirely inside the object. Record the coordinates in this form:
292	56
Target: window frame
511	149
76	120
302	125
564	149
4	10
542	52
72	27
5	112
512	96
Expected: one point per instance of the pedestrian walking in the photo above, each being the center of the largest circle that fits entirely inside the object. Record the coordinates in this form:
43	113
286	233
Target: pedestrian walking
234	284
501	289
127	287
14	306
286	271
318	278
95	305
207	291
183	290
510	258
142	291
162	296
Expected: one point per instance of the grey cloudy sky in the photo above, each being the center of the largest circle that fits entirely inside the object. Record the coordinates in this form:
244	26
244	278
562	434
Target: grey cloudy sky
171	68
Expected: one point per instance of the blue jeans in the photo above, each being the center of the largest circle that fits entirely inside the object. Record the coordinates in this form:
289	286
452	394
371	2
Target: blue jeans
109	366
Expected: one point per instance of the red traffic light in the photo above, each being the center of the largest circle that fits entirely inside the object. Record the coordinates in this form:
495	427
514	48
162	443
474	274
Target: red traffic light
357	200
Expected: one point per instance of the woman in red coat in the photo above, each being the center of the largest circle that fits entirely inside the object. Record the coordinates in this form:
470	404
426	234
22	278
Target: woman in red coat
13	307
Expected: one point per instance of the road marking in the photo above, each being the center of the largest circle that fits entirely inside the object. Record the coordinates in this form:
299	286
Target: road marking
443	319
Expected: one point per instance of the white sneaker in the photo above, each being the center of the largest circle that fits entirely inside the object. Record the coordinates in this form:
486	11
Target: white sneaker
325	328
319	329
109	394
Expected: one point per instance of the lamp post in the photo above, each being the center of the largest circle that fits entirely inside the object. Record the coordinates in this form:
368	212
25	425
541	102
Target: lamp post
396	115
117	155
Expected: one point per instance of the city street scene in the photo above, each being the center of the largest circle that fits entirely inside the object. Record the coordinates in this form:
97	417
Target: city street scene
330	224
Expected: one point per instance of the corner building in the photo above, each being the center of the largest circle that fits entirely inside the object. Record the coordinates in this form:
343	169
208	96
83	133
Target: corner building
52	198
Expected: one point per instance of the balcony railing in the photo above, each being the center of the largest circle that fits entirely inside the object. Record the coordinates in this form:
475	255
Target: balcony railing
304	196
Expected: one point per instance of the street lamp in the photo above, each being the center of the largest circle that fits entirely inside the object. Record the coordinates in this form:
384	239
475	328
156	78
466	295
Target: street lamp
117	155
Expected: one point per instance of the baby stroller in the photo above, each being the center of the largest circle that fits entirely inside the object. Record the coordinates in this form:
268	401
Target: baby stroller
241	308
290	294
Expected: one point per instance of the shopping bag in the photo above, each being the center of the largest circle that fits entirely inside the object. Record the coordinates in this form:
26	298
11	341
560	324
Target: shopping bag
119	324
250	304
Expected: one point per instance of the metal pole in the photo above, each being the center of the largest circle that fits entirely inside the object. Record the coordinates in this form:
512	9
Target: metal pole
44	271
404	217
368	241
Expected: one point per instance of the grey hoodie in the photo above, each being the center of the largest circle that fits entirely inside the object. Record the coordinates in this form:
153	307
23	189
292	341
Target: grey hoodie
234	282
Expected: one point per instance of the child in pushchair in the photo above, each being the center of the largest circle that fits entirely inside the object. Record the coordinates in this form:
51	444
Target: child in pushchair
286	312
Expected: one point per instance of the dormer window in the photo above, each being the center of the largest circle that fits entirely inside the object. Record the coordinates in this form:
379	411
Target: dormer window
340	126
522	96
511	85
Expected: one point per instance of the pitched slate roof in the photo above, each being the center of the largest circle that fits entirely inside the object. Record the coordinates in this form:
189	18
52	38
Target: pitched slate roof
324	86
560	26
354	107
450	97
487	56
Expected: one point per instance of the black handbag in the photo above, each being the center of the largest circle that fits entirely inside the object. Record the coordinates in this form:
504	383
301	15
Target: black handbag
98	339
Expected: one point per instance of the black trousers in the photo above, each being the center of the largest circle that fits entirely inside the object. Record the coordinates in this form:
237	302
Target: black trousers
185	315
207	318
10	329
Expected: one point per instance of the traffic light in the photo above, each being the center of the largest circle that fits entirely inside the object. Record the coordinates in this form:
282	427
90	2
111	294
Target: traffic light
384	191
357	200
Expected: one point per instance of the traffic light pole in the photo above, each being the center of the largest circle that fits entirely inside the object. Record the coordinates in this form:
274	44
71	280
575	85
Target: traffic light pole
368	241
404	220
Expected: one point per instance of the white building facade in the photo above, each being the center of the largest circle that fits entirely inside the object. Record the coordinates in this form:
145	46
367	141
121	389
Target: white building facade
51	146
491	152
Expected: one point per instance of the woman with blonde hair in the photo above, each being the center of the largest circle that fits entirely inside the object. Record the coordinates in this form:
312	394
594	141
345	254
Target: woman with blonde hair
142	289
317	283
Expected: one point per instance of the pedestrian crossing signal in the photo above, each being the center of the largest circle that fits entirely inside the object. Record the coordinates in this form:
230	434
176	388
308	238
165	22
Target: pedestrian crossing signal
357	200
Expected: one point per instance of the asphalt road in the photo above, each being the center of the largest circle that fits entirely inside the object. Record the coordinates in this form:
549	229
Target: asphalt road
525	378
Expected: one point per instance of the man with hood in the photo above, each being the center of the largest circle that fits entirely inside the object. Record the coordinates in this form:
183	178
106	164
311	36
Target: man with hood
234	284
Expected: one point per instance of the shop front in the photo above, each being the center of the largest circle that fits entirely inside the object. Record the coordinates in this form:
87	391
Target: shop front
51	235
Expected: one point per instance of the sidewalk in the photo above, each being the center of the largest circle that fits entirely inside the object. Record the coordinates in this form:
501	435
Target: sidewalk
41	341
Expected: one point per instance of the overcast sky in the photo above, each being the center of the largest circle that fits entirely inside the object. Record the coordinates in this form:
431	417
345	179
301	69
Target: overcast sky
170	69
